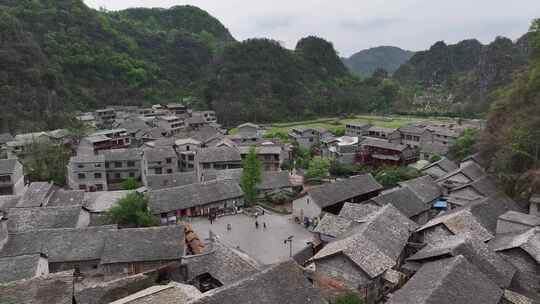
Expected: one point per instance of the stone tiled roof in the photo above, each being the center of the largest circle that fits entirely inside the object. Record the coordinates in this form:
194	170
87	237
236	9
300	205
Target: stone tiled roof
382	143
144	244
26	219
280	283
404	199
219	154
60	245
476	252
122	154
521	218
485	186
471	170
164	181
159	154
5	137
382	240
19	267
448	281
334	225
188	196
358	212
36	195
64	198
52	288
333	193
173	293
103	200
222	262
444	163
411	129
424	187
478	218
7	166
528	240
274	180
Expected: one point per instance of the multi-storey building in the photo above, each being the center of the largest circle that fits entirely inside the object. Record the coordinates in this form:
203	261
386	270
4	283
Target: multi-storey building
11	177
170	124
162	160
122	164
87	172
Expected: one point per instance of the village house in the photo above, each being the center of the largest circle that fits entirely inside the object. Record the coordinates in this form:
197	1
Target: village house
513	221
341	149
247	133
163	160
330	197
357	129
377	152
106	140
448	281
122	164
522	249
18	146
65	198
478	189
187	149
98	203
172	125
382	238
390	134
444	136
47	289
11	177
23	267
35	218
414	136
429	150
218	158
425	188
209	116
270	156
163	181
176	108
478	219
465	174
37	194
534	205
159	293
440	168
199	199
407	202
195	122
307	137
105	117
87	172
494	266
280	283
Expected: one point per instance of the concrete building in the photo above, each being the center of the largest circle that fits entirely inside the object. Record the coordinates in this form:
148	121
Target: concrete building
414	136
218	158
11	177
121	164
307	137
270	156
104	117
357	129
159	161
170	124
187	149
87	172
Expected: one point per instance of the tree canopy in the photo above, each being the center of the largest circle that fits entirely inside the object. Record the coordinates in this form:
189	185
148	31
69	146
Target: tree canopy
251	175
131	211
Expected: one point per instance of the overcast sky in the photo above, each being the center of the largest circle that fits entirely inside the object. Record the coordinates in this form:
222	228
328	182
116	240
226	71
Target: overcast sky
353	25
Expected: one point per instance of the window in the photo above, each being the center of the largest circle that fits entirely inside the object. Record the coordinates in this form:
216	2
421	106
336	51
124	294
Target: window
158	171
5	179
169	171
168	160
131	174
187	148
191	157
99	187
97	175
118	164
117	176
206	166
97	165
106	164
131	164
82	176
80	166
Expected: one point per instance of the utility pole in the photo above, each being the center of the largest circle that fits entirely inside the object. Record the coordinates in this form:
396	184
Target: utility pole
289	240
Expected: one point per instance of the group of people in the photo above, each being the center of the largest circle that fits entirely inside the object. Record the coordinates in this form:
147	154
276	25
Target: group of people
257	221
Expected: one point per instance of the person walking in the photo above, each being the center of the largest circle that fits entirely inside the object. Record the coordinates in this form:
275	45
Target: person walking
256	225
229	227
264	225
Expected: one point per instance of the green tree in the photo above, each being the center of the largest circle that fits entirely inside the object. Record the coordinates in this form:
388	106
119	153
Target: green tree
130	184
251	175
390	176
350	298
318	169
435	158
131	211
45	161
465	145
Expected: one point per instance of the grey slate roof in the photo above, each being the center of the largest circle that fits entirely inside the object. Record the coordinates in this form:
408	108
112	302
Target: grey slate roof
36	195
19	267
227	174
26	219
424	187
358	212
159	154
484	185
521	218
163	181
475	251
7	166
5	137
122	154
172	293
144	244
66	198
334	225
218	154
60	245
411	129
471	170
528	240
280	283
101	201
444	163
274	180
178	198
478	218
448	281
404	199
382	143
222	262
333	193
54	288
381	240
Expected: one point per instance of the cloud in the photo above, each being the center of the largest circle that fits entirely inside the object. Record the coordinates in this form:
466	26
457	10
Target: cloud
369	24
271	23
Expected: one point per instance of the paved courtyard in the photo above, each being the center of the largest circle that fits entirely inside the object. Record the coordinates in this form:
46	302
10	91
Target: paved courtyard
264	245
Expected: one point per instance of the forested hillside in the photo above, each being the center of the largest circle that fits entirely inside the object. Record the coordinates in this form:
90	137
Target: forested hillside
60	56
389	58
510	144
461	78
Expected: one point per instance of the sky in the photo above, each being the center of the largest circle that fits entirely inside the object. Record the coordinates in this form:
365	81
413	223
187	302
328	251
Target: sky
353	25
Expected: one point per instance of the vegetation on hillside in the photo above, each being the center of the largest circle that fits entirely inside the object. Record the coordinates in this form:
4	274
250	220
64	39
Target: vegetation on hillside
366	62
510	143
